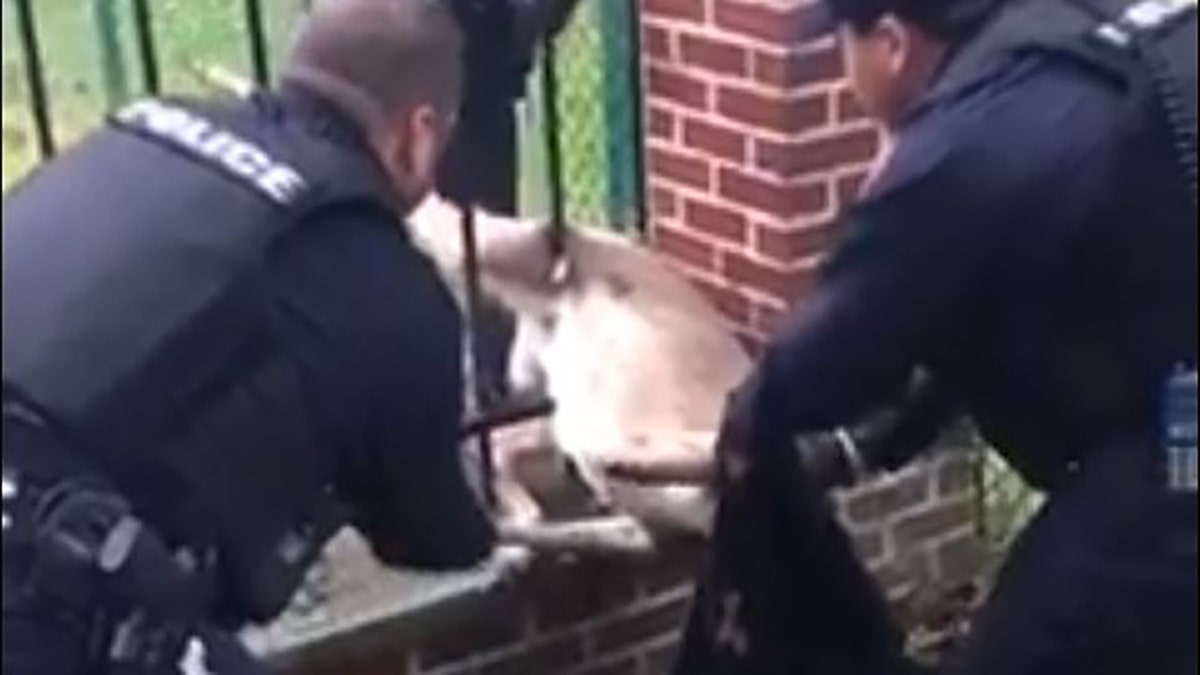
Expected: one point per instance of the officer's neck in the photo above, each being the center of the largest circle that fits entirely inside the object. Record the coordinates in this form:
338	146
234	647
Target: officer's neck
329	117
325	113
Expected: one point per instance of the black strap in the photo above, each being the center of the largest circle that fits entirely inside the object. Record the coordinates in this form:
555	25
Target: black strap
1140	50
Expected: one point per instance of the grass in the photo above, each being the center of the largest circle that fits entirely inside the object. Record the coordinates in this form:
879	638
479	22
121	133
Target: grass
213	32
187	32
1007	501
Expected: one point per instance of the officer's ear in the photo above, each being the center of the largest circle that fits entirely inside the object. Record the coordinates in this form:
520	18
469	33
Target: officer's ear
895	43
889	62
412	151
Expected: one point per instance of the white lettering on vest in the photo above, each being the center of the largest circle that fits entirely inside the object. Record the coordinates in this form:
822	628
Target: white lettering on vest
278	181
1150	14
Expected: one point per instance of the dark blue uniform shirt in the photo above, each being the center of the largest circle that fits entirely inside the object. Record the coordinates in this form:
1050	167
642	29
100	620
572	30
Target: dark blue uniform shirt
1021	243
378	336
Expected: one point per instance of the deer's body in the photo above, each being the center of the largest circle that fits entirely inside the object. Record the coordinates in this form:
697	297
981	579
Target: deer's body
634	357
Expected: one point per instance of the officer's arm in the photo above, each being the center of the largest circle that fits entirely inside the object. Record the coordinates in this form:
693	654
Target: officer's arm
376	338
913	425
900	287
420	510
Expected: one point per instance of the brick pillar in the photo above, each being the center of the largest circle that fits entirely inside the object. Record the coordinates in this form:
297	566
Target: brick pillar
753	142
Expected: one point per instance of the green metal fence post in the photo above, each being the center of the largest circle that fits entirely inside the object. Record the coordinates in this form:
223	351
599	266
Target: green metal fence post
112	58
615	18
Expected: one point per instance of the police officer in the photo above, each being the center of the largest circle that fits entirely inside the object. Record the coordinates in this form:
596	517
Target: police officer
502	37
220	347
1027	255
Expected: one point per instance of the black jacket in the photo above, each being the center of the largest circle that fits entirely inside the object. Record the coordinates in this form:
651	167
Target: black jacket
216	307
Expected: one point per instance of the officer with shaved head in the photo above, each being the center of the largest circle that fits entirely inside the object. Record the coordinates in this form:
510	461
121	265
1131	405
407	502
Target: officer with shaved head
220	347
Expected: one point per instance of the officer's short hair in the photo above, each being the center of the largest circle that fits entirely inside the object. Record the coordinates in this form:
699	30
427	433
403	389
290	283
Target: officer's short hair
395	52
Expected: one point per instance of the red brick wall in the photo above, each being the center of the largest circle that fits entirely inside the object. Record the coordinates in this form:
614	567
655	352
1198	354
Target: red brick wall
590	617
595	617
752	144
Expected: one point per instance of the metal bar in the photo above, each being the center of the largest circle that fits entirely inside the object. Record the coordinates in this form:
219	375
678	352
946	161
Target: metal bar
507	413
481	393
613	18
979	489
637	121
553	145
112	56
258	42
35	78
143	23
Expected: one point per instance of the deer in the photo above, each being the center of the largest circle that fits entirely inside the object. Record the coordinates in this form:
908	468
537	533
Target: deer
635	358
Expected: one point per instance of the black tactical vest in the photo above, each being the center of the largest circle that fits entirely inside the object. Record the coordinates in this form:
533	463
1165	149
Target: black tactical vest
1092	389
1149	46
135	325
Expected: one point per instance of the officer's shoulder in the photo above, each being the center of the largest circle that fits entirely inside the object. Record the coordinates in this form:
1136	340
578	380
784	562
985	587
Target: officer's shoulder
369	251
1032	111
1028	96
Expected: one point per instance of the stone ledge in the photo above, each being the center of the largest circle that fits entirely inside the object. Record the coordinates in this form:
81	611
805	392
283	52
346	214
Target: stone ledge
364	608
364	603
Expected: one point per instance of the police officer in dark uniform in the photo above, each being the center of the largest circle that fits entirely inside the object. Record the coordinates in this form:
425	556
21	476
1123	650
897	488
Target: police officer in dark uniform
1026	255
220	347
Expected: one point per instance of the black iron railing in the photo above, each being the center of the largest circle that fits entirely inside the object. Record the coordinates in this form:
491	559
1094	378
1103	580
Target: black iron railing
256	32
39	103
147	51
590	125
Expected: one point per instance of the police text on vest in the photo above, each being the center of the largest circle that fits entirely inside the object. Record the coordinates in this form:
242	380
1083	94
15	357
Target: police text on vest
201	137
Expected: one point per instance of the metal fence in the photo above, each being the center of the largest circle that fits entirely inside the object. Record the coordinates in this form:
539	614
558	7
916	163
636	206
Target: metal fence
67	62
593	127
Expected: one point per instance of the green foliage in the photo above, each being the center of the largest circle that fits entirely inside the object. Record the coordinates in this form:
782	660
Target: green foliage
188	34
595	105
191	32
1006	502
